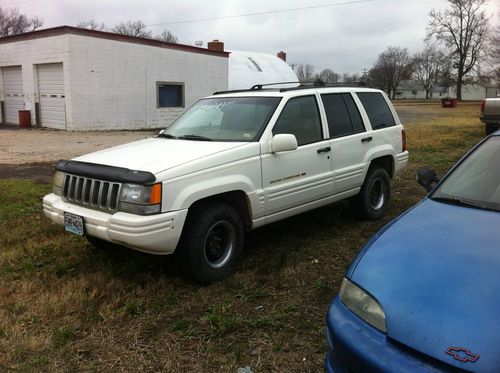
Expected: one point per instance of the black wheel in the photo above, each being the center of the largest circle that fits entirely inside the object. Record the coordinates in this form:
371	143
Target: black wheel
211	242
373	199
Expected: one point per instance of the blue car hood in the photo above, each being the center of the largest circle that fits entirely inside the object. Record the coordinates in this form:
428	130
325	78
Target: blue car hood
436	273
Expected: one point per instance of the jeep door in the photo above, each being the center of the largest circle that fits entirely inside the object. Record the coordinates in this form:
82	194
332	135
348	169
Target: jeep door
348	139
300	176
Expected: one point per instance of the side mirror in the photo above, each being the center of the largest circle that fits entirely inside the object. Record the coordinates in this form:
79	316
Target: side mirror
427	177
284	142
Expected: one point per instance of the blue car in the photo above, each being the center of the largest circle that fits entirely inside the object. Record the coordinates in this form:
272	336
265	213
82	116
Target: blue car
424	294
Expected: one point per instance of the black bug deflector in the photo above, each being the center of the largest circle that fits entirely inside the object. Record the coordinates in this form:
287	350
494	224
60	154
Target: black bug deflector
104	172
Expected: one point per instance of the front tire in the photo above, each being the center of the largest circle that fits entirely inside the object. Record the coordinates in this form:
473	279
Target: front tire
211	242
373	199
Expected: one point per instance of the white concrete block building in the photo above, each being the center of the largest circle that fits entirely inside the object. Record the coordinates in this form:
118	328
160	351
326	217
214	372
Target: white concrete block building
78	79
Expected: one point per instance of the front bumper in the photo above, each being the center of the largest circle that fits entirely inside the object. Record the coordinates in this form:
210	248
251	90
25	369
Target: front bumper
356	346
154	234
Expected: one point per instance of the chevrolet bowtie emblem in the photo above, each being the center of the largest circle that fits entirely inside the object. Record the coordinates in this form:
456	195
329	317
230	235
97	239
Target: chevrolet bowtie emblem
462	354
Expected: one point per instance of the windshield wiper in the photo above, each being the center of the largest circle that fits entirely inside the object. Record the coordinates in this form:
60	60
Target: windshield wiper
462	202
194	137
166	136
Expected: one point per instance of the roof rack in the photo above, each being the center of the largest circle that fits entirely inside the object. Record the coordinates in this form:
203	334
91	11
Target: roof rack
320	84
302	85
256	87
259	86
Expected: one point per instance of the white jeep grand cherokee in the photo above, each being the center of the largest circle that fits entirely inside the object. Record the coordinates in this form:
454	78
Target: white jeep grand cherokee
233	162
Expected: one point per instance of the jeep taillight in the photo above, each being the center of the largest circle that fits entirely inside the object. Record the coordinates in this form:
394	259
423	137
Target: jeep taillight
403	138
482	106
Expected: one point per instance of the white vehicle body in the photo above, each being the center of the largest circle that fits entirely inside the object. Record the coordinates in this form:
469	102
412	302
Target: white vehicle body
264	186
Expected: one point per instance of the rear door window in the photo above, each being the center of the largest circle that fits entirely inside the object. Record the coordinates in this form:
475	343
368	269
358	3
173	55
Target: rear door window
376	107
342	114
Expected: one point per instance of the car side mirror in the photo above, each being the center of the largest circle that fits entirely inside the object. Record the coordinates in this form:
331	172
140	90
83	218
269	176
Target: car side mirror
427	177
284	142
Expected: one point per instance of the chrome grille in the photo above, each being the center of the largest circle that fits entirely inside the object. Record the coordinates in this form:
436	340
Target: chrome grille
96	194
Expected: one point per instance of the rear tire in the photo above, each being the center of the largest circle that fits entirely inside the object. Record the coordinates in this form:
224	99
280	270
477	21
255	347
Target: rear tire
211	242
372	200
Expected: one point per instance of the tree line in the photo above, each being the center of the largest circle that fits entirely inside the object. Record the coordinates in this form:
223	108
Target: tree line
12	22
130	28
461	47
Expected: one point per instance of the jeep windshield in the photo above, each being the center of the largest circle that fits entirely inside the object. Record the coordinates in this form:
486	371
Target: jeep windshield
224	119
476	181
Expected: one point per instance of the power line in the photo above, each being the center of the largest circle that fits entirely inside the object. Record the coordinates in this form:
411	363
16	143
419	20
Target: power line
259	13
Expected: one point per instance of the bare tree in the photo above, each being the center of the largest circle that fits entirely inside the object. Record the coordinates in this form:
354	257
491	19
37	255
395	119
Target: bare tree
92	25
494	59
304	72
350	78
428	67
328	76
12	22
132	28
167	36
392	66
463	28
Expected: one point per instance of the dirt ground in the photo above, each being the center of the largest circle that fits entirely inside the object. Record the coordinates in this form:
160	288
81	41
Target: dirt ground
42	145
414	112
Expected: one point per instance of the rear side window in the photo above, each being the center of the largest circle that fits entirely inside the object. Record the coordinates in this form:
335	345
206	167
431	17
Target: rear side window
342	114
300	117
376	107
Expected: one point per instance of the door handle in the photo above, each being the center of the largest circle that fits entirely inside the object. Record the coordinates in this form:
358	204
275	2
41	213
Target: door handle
367	139
324	150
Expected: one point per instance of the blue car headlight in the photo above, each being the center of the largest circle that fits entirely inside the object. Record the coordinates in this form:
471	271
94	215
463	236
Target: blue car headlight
362	304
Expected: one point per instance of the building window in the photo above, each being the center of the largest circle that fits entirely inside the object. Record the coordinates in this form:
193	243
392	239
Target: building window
170	94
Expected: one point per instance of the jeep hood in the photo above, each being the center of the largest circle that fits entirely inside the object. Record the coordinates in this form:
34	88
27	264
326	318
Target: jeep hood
156	154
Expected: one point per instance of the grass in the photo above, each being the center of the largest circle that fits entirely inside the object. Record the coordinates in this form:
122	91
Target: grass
66	306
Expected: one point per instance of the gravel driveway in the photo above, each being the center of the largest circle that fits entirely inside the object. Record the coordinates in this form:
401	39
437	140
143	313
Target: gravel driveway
40	145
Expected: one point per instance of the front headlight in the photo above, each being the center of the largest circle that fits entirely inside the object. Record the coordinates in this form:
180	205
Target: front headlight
362	304
140	199
57	185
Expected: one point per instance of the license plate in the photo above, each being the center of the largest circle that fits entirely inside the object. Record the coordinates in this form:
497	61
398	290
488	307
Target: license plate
73	223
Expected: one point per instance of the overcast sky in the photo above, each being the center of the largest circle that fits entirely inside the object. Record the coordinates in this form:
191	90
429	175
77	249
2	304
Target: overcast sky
346	37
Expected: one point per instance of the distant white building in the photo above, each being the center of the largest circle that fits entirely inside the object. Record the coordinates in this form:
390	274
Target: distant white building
78	79
412	89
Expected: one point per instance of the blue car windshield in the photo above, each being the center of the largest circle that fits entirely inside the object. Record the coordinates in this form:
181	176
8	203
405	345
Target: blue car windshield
476	181
224	119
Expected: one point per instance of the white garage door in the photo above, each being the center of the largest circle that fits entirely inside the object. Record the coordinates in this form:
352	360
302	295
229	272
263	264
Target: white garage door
51	89
14	95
